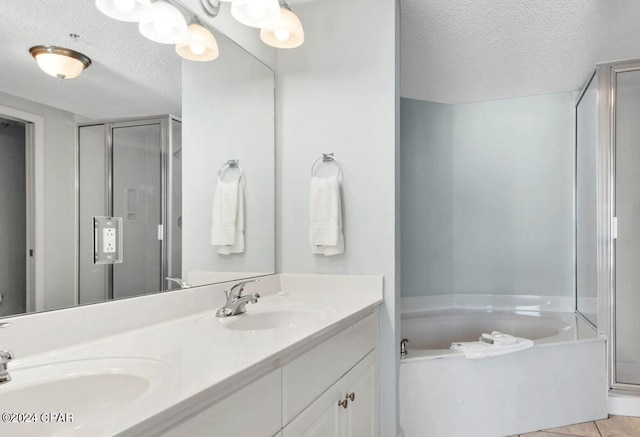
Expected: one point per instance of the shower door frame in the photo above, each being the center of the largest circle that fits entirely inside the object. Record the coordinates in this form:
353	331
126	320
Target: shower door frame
606	76
166	141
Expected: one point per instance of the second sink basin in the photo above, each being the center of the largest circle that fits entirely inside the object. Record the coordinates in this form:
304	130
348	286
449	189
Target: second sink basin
77	397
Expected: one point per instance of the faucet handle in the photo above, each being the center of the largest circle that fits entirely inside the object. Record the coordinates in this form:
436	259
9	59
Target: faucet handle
240	287
6	356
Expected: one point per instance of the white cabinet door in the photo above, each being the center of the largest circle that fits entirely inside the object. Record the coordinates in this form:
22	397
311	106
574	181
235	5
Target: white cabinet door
334	414
322	418
361	391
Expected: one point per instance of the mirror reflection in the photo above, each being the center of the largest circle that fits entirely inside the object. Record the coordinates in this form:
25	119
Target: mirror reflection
141	135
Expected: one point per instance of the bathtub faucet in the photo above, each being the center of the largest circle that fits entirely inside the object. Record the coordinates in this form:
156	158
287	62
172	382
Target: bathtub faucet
403	347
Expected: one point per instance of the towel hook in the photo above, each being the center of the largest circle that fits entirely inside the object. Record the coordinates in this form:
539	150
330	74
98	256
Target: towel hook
231	164
326	157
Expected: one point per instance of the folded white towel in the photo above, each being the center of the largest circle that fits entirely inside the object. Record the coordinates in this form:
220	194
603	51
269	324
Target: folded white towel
227	218
238	242
325	216
498	338
482	349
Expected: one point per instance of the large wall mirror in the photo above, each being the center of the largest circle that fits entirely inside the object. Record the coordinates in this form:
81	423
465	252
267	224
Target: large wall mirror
141	134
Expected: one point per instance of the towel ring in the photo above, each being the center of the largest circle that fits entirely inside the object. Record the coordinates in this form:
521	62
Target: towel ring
230	164
326	157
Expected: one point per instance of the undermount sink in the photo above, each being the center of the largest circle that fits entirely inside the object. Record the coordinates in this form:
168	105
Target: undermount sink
276	316
77	397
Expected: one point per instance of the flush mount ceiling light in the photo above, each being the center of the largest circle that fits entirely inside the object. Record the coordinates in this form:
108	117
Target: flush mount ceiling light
286	33
256	13
165	24
60	62
200	44
125	10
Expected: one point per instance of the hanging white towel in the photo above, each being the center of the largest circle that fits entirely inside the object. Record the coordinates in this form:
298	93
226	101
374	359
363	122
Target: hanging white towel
238	242
227	217
491	345
325	216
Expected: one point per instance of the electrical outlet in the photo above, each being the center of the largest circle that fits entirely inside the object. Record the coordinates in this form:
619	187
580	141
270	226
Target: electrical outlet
109	240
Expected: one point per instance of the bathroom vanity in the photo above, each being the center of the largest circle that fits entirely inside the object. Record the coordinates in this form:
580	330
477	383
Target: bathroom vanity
303	359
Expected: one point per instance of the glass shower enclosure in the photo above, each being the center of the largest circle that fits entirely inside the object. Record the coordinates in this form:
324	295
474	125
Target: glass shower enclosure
608	214
130	169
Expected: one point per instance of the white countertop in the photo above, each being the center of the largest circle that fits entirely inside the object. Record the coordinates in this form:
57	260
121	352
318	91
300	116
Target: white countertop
196	358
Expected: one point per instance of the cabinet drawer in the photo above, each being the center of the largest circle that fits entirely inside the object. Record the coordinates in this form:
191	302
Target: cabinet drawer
253	411
309	375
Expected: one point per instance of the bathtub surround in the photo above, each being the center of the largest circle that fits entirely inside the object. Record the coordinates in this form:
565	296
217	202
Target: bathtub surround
501	302
338	93
487	197
444	394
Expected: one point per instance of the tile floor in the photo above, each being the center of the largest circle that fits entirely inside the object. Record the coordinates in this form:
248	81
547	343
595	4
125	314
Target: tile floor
614	426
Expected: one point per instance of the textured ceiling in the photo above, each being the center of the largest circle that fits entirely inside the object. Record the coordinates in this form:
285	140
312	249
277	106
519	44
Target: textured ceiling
456	51
130	75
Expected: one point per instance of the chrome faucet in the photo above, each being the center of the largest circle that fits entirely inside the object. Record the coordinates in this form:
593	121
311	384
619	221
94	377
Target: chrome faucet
179	281
5	357
403	347
236	302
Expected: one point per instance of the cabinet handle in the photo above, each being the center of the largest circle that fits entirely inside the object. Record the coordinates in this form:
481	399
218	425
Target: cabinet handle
344	403
351	397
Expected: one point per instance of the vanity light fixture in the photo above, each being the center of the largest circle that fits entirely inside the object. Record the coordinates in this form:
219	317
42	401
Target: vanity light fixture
200	44
125	10
286	33
60	62
256	13
211	7
165	24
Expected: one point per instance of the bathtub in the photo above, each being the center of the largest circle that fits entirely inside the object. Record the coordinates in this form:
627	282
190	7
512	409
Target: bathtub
560	381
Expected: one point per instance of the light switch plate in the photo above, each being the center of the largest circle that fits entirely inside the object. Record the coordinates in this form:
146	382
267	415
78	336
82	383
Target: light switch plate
107	242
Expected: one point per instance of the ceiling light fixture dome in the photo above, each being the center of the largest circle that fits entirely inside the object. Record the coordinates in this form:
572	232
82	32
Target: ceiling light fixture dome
60	62
256	13
199	45
165	24
286	33
125	10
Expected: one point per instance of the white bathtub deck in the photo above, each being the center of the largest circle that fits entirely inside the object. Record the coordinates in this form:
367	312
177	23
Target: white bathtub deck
560	381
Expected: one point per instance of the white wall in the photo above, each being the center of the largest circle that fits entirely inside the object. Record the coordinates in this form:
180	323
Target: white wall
512	197
427	201
337	93
59	200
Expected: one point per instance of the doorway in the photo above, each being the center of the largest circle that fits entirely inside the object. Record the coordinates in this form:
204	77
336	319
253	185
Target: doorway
16	216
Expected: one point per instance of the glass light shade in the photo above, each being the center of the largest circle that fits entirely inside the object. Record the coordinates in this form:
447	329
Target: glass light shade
256	13
60	62
125	10
286	33
165	24
200	44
